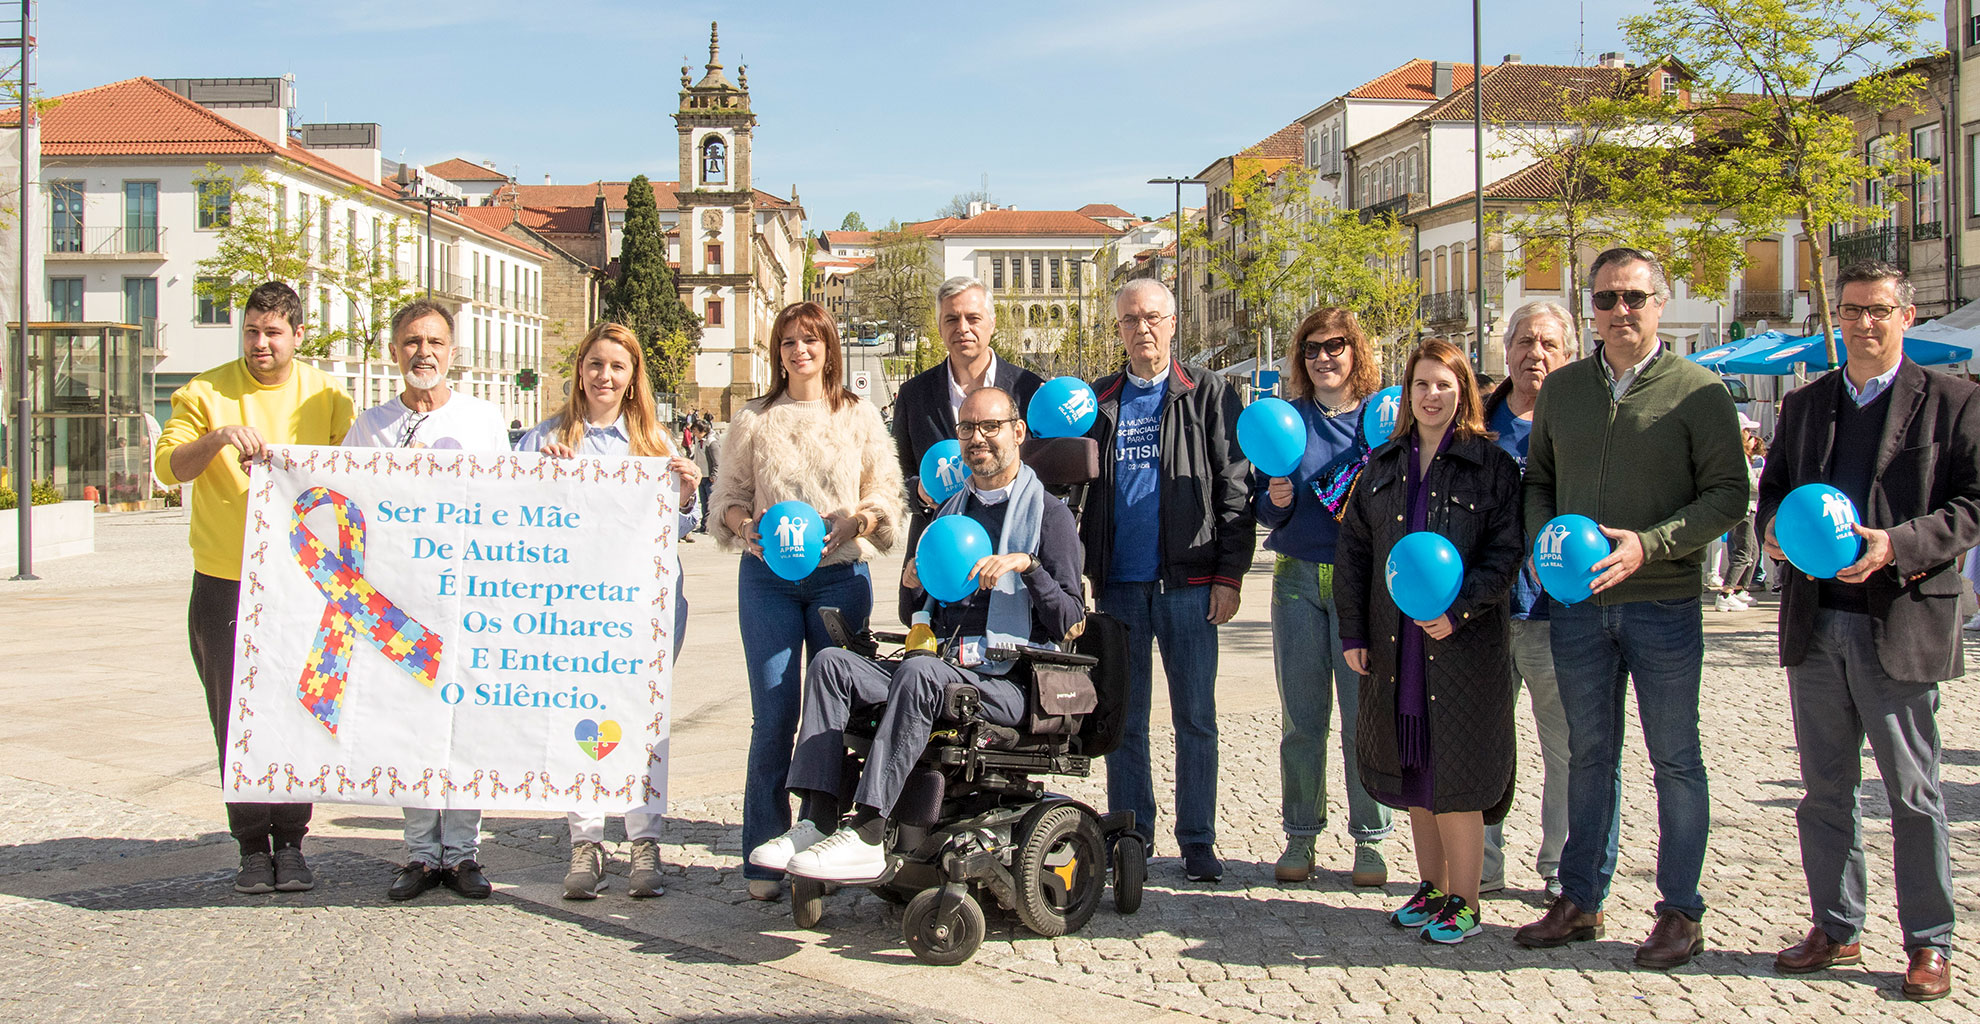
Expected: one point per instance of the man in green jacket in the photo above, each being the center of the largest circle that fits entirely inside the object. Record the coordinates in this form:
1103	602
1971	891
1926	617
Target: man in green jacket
1647	444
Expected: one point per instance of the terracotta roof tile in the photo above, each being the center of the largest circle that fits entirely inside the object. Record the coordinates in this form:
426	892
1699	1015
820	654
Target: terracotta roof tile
1288	143
566	197
1097	210
1530	92
854	238
456	169
1412	81
137	116
1015	223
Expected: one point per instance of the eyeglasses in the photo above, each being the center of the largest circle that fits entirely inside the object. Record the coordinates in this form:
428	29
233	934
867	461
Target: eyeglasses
1333	347
1606	301
987	428
1131	321
1856	312
409	429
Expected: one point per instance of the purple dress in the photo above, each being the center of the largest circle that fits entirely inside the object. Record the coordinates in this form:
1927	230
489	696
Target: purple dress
1412	691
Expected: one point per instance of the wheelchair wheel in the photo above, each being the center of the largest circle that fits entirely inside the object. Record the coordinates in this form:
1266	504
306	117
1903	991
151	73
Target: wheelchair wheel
944	944
1059	870
1130	871
807	901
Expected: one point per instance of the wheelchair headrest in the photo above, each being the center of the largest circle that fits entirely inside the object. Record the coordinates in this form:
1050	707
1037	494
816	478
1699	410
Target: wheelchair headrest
1062	461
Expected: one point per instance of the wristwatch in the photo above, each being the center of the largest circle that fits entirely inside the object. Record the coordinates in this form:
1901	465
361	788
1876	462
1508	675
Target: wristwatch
1033	567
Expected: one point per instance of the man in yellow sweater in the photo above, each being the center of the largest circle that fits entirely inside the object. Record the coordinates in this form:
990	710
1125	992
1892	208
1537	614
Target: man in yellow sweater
220	420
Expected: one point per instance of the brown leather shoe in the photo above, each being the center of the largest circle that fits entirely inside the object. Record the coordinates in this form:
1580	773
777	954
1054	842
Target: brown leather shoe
1563	924
1817	952
1928	977
1673	941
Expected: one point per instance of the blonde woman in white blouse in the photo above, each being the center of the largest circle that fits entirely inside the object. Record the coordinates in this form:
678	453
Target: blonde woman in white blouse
808	439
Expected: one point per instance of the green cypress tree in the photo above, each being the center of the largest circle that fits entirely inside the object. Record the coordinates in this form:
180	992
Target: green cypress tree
646	298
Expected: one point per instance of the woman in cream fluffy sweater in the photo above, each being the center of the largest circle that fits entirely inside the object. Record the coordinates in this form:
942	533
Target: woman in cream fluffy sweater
810	440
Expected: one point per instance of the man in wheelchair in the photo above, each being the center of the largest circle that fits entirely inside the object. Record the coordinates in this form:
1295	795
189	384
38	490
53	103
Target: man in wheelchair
1028	593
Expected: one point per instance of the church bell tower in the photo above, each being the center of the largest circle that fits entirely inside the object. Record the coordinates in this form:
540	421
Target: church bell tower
717	214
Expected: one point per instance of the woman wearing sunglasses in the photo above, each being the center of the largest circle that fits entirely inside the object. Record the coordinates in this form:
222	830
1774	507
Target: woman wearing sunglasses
1330	370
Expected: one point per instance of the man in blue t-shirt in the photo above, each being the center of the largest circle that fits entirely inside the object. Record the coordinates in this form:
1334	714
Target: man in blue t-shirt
1540	337
1168	533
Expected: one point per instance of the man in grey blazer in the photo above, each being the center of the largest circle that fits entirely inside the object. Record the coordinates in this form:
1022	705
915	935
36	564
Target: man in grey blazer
1865	652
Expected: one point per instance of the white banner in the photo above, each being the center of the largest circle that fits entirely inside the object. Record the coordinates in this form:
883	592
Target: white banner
427	628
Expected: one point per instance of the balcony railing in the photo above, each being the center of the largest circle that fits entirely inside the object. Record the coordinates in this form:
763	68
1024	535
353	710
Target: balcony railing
1754	303
1330	165
1445	307
77	241
1927	230
1394	207
1888	244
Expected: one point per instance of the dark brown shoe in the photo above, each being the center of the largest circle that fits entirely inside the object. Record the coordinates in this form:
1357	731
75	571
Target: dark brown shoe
1673	941
1817	952
1563	924
1928	977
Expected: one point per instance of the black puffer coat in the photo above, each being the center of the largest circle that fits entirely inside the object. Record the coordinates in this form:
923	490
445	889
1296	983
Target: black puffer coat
1474	495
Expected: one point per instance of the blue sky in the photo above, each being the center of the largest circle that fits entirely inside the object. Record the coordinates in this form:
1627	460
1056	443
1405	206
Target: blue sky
884	108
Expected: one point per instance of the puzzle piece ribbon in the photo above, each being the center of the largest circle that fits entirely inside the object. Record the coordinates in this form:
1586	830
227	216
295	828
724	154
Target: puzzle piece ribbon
355	610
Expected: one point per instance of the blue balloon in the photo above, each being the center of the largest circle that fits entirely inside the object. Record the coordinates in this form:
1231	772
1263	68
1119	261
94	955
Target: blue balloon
1061	407
1272	436
949	549
943	470
1424	573
1813	526
793	538
1564	556
1378	417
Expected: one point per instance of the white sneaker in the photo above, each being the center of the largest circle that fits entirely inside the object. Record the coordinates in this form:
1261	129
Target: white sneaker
1743	599
1973	623
1726	604
840	857
778	852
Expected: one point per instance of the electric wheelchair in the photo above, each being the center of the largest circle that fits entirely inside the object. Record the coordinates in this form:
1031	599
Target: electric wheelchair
976	822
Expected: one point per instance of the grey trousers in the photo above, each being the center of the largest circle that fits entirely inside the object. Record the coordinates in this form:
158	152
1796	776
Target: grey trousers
1840	695
1533	665
839	680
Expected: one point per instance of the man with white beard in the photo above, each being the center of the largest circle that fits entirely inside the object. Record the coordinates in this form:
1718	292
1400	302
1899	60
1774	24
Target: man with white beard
441	846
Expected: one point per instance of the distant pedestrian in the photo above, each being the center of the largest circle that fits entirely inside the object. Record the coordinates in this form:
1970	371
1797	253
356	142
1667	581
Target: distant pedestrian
264	398
1436	733
1865	652
442	846
611	412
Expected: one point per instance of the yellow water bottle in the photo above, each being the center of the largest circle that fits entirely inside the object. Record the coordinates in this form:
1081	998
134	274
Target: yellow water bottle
921	636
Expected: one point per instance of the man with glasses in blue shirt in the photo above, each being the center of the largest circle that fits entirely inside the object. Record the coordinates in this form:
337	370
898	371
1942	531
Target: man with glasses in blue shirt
1647	444
1168	531
1865	652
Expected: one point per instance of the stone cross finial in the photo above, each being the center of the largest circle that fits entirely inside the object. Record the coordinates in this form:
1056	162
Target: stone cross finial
684	72
742	72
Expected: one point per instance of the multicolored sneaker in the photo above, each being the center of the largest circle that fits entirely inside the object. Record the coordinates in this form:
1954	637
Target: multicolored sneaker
1421	909
1454	923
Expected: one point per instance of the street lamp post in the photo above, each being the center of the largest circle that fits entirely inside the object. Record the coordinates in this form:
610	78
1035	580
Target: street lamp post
1079	311
1178	183
416	187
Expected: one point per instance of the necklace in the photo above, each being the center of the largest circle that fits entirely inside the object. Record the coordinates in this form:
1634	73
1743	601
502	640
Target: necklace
1332	411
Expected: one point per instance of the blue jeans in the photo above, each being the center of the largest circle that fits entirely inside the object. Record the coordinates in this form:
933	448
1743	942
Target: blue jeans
779	619
1597	651
1178	619
1533	665
1306	652
442	839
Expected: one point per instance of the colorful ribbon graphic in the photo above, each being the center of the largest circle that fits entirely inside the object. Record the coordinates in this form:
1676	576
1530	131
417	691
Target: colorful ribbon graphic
355	610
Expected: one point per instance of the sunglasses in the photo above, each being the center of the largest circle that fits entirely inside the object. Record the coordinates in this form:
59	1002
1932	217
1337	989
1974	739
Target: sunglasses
1606	301
1333	347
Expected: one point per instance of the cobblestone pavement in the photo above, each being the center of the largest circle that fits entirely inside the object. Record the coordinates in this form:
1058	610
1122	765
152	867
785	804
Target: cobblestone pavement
114	903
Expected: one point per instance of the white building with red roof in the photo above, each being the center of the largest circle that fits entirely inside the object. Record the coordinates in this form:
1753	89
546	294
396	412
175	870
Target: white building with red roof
1038	263
122	229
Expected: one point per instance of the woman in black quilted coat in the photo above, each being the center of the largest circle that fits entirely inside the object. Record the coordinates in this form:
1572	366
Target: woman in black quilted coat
1436	731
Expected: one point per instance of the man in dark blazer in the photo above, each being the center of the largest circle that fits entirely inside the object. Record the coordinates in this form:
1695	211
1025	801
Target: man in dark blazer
925	407
1865	652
